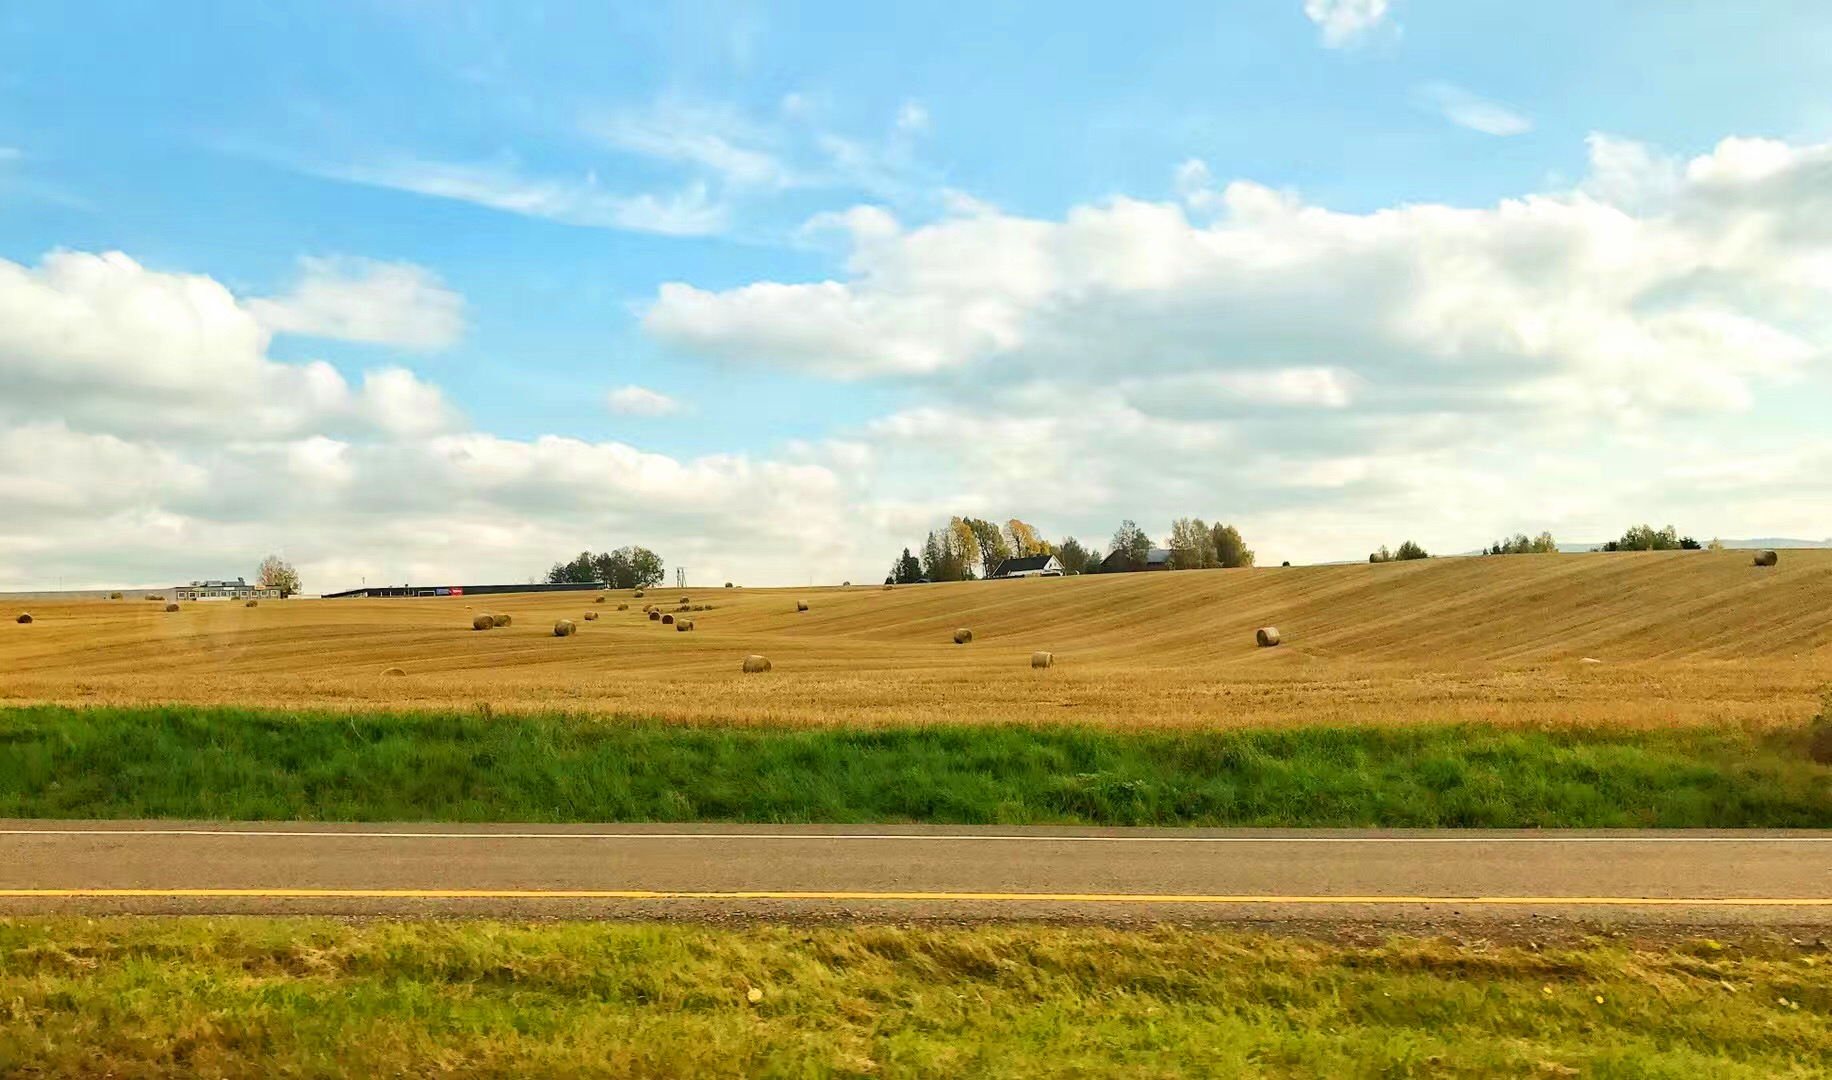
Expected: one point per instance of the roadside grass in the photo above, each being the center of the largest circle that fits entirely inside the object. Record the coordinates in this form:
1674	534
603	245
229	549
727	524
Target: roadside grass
251	764
236	997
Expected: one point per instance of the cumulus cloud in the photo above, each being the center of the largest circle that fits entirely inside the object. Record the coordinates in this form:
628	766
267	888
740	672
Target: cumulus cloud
1466	110
1563	301
1346	22
365	300
101	343
640	401
146	437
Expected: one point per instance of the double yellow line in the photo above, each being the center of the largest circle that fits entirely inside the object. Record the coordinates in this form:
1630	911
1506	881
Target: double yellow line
922	897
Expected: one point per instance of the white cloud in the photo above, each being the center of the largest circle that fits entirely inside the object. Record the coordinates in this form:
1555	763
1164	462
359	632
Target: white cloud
640	401
1466	110
101	343
1560	301
1346	22
689	211
364	300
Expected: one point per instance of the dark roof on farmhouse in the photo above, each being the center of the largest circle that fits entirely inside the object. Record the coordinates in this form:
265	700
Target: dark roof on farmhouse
1157	555
1021	566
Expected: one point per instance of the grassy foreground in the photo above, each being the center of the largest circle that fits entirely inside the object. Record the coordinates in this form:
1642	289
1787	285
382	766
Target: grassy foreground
190	762
250	997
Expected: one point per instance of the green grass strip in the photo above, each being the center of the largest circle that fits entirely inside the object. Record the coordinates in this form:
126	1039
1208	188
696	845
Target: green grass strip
313	998
250	764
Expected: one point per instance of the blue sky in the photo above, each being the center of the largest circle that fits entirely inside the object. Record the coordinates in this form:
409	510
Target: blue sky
1266	245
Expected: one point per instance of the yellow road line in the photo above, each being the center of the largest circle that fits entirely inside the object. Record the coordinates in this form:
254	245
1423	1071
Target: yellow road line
930	897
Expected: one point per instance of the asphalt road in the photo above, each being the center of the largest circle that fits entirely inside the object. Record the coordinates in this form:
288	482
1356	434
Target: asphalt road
918	873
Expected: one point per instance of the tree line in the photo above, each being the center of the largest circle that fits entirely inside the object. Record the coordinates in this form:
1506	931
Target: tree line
631	567
967	548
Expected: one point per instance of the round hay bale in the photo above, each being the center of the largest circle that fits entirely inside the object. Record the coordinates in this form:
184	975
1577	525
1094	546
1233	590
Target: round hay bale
801	605
598	600
501	620
686	600
155	596
114	596
667	620
1767	558
1043	659
754	664
888	586
683	625
252	603
1266	636
393	673
565	628
1820	746
623	607
591	616
24	618
963	636
637	594
171	607
655	614
482	621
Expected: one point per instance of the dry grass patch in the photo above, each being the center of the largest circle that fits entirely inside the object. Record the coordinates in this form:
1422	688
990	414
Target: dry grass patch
1687	639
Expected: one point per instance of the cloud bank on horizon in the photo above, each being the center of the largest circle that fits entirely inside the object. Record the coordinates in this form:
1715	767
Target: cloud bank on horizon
777	341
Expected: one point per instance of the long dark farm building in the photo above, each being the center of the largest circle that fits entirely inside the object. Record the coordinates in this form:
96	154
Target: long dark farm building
378	591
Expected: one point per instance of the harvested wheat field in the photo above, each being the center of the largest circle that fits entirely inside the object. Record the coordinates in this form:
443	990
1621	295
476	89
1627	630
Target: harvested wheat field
1687	638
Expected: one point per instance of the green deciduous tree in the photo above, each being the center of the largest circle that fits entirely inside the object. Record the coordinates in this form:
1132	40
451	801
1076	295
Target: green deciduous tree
631	567
1230	549
1133	544
1074	558
1192	546
993	548
277	573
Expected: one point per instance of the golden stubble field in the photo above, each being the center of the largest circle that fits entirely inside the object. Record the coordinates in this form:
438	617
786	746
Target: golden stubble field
1684	638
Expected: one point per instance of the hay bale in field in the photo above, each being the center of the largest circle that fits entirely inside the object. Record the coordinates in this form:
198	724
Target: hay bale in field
623	607
1043	659
686	599
114	596
655	614
591	616
482	621
565	628
888	586
683	625
637	594
171	607
1266	636
393	673
963	636
1767	558
754	664
252	603
667	620
598	600
501	620
801	605
24	618
154	596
